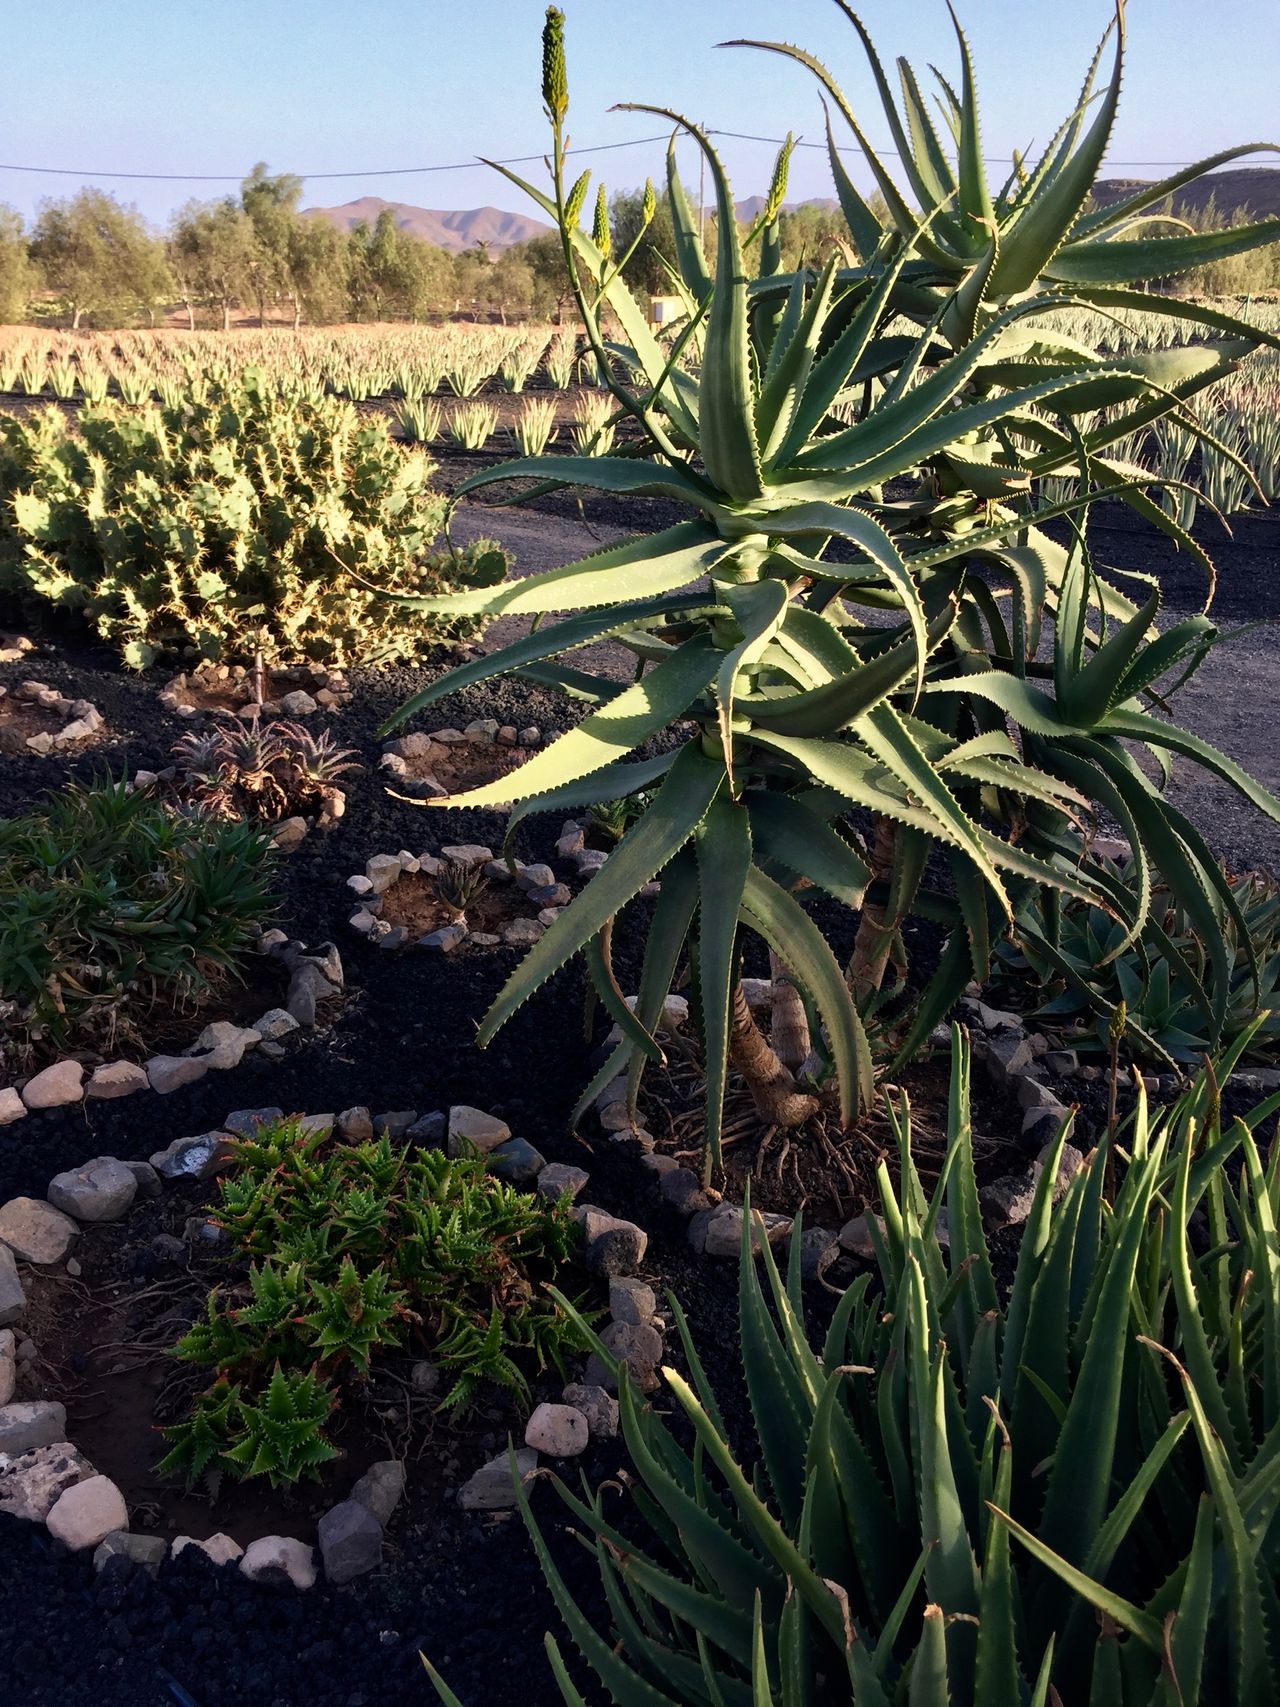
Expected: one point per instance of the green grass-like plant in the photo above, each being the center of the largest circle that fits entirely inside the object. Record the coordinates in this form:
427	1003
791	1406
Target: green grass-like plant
238	517
114	904
356	1250
1059	1487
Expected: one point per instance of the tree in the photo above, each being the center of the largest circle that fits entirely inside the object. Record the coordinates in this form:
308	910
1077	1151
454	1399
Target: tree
15	267
645	272
272	208
545	259
211	251
318	264
97	255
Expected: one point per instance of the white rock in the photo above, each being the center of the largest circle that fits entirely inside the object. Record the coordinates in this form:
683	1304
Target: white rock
466	854
166	1073
558	1430
55	1086
35	1231
87	1512
277	1559
275	1024
13	1301
101	1190
8	1366
116	1079
473	1126
31	1424
12	1106
383	870
31	1482
359	885
220	1548
598	1407
492	1488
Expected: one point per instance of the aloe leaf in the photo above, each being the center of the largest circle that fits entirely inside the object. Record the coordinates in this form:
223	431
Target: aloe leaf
659	698
1118	262
602	474
600	966
865	229
625	1685
1120	1611
642	568
785	832
724	859
1078	1481
759	608
858	690
1047	219
614	782
794	937
690	259
671	819
548	643
726	405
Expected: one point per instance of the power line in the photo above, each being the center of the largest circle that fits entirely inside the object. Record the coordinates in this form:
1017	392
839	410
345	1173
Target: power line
470	165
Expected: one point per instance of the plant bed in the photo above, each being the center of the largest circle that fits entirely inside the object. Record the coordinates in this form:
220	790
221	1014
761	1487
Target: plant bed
437	762
278	690
35	718
463	897
167	1260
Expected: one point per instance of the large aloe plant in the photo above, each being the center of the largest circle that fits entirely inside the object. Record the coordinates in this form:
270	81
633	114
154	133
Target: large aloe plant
898	676
1060	1490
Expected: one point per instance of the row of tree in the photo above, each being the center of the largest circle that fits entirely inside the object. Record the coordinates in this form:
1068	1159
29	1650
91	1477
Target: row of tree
91	260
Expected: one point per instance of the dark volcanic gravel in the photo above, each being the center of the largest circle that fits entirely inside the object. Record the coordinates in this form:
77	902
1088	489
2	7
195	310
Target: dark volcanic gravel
465	1591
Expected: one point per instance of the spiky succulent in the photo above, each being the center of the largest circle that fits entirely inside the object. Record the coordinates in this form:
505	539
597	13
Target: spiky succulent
360	1249
837	645
459	887
1059	1488
263	771
1078	964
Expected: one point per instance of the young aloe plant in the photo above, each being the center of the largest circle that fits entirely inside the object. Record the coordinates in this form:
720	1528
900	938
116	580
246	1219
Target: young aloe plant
887	678
1062	1490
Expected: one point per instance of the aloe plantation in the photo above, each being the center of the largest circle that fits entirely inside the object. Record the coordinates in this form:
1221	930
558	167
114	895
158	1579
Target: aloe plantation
638	1042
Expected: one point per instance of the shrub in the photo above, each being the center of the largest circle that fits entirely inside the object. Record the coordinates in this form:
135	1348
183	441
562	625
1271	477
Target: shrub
354	1250
904	675
1059	1490
1179	991
237	519
117	904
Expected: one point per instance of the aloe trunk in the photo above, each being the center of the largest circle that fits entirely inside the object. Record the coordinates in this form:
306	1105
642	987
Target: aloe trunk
875	935
778	1099
789	1024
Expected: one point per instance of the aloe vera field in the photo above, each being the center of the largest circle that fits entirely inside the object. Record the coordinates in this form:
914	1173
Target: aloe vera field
640	896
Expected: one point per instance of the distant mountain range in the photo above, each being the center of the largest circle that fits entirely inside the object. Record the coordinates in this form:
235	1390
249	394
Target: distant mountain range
446	228
1251	190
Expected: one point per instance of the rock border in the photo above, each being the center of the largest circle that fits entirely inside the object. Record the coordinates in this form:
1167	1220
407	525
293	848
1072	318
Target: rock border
84	720
384	870
315	976
45	1479
481	732
311	688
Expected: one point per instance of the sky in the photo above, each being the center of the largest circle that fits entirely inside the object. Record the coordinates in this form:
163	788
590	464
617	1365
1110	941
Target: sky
359	86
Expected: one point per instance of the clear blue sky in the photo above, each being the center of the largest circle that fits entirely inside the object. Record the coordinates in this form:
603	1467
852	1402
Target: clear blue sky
331	85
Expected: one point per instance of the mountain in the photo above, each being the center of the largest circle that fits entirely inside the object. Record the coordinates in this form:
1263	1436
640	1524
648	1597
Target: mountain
451	229
1253	191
